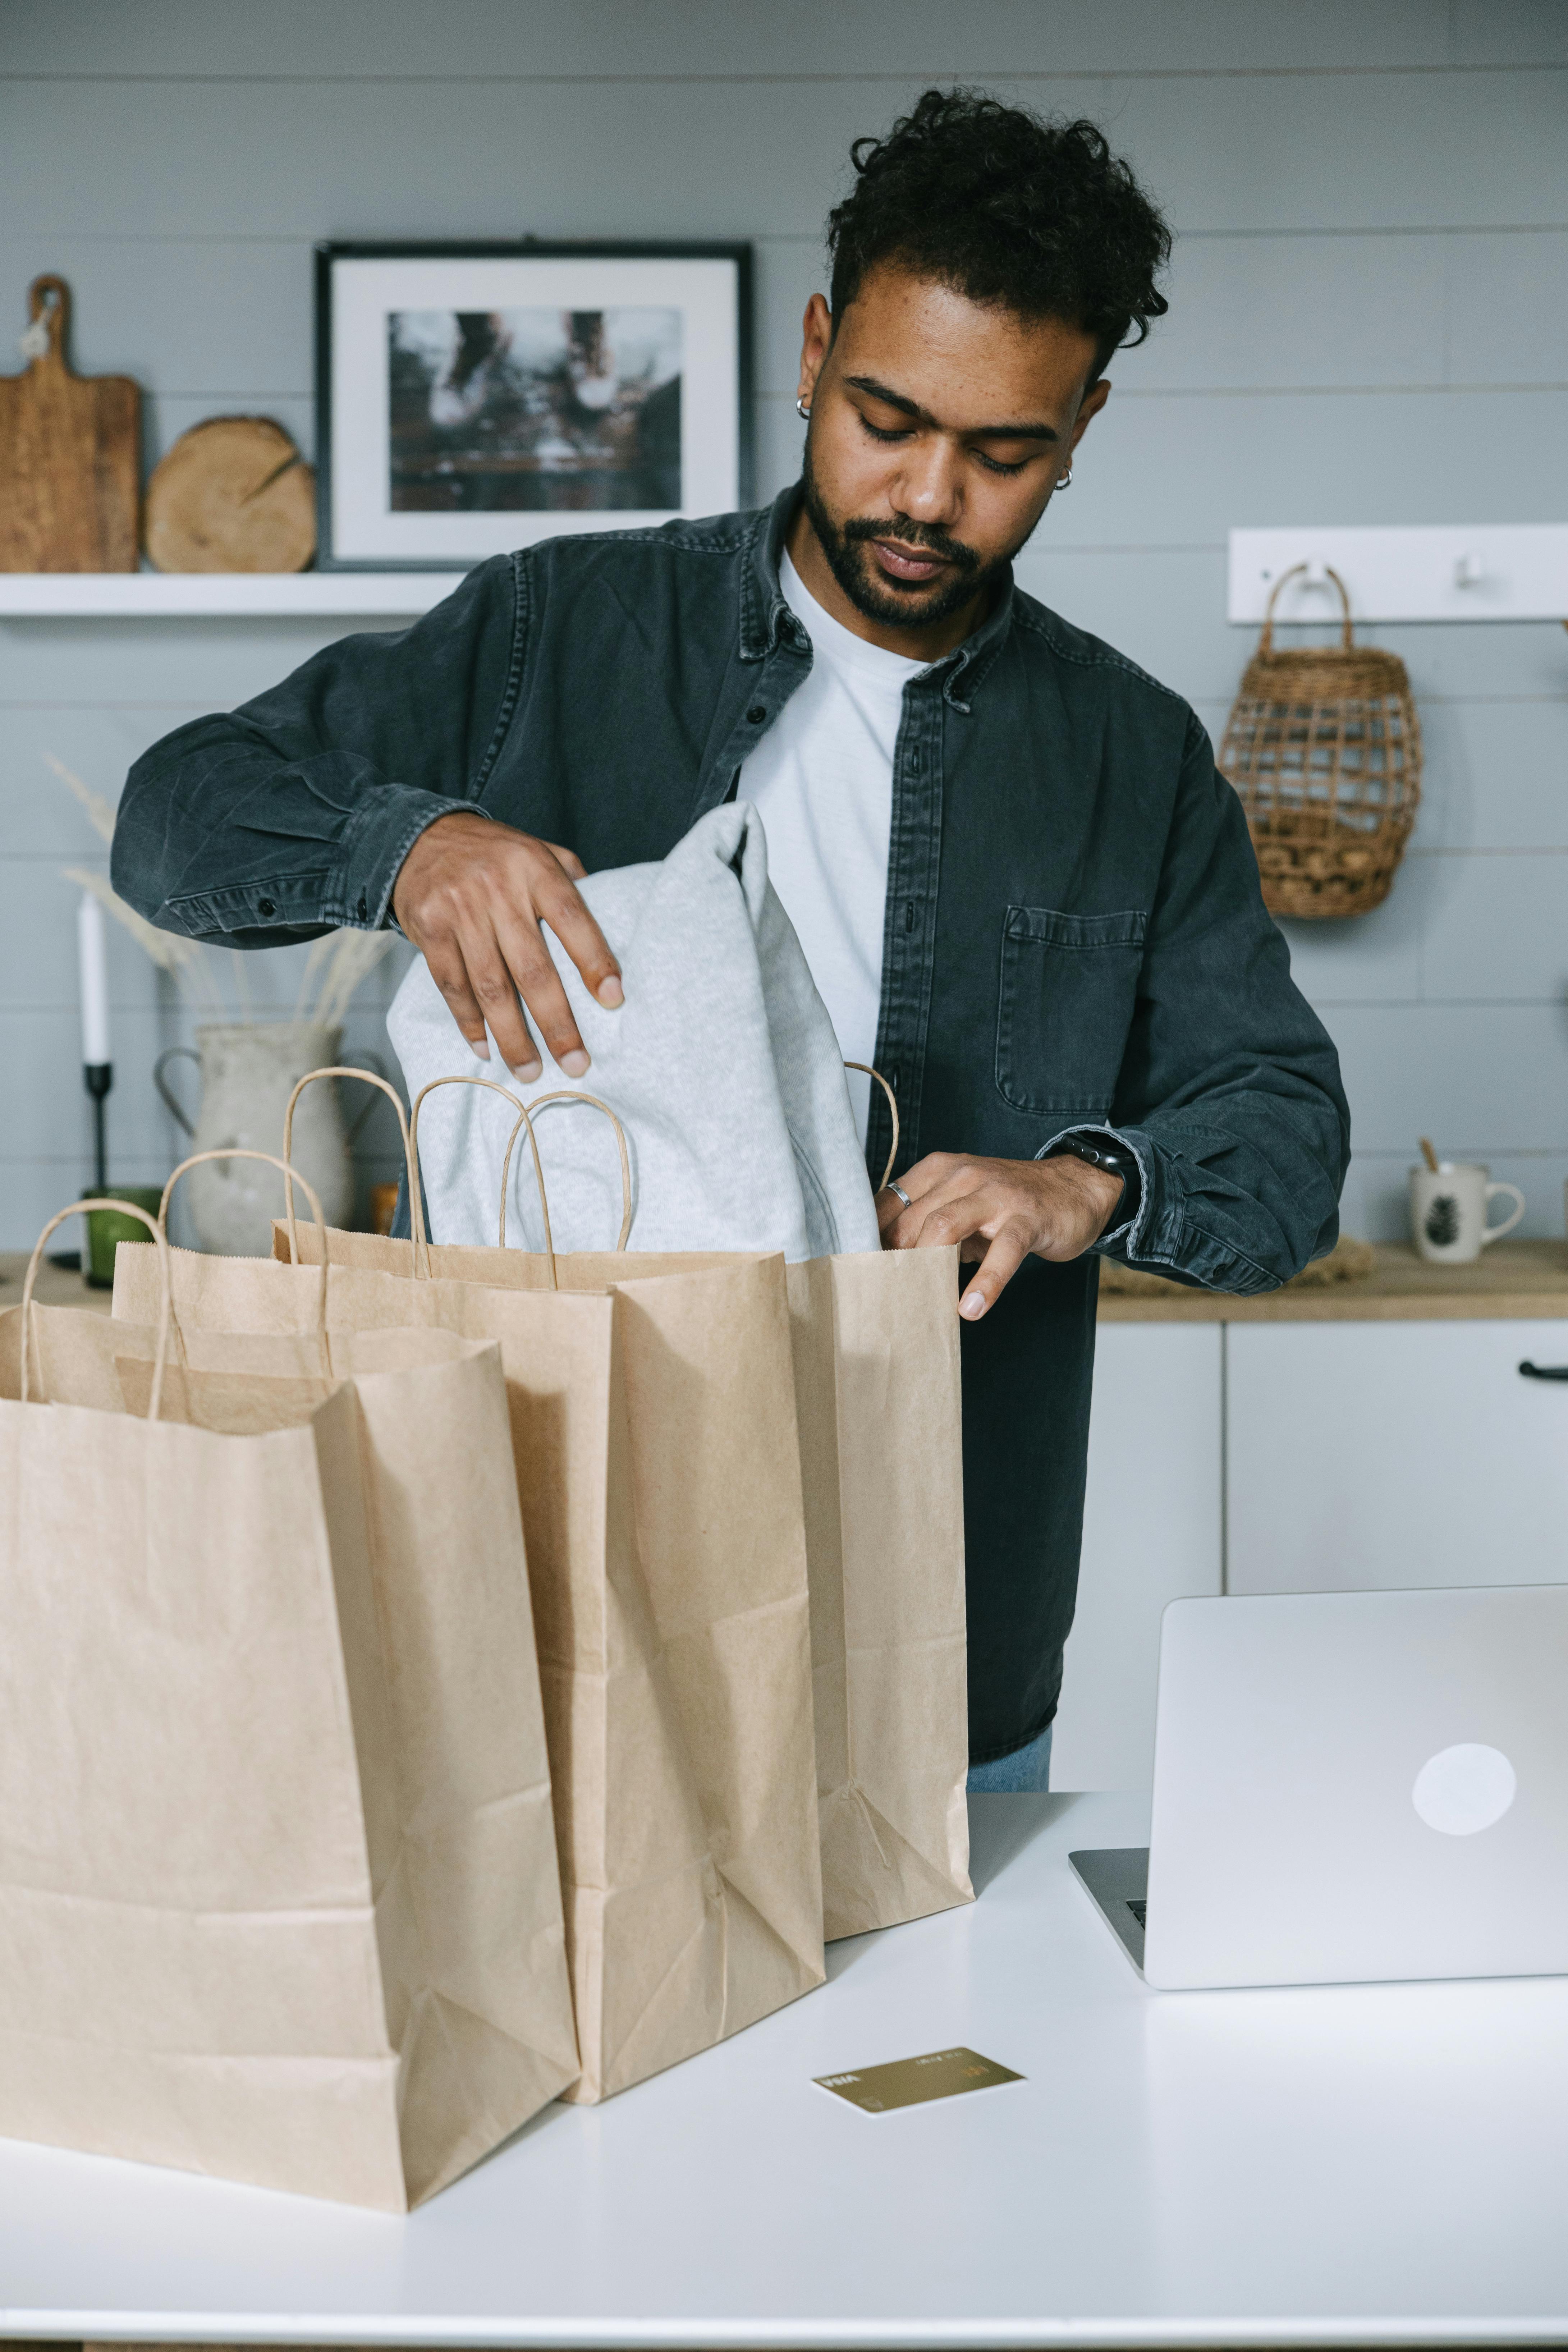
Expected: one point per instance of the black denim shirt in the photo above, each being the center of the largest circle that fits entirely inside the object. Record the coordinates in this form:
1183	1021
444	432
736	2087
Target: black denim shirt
1073	936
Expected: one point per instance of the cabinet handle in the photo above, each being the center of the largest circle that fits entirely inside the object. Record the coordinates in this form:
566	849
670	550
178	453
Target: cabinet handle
1544	1371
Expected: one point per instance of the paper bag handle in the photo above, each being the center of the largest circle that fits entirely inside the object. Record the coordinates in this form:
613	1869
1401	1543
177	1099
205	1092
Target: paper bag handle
569	1094
415	1183
165	1302
337	1070
867	1071
523	1120
241	1152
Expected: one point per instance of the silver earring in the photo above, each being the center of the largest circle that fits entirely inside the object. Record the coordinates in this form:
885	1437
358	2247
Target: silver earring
801	409
1064	481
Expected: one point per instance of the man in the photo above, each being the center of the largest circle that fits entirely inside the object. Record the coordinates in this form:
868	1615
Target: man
1026	894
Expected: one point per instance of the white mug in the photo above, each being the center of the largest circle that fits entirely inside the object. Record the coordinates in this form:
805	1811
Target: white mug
1448	1212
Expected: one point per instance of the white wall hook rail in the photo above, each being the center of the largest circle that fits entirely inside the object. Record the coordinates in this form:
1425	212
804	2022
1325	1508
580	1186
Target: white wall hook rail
1445	571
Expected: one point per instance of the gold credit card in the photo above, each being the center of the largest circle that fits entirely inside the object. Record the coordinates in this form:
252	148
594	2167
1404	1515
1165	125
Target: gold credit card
906	2081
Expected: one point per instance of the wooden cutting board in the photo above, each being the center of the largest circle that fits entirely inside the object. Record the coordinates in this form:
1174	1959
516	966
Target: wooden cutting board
70	453
232	495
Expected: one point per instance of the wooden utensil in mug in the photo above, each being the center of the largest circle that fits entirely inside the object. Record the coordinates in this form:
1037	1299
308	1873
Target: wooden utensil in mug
69	453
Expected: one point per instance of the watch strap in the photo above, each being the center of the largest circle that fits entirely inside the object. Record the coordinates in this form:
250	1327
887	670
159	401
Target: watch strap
1100	1150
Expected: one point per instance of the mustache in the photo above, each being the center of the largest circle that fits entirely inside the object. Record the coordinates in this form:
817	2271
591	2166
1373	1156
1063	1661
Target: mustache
861	530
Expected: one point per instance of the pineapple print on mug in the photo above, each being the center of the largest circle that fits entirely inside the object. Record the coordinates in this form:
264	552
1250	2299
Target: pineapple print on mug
1448	1206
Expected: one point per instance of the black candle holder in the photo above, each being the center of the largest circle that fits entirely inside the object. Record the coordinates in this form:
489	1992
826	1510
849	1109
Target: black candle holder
97	1077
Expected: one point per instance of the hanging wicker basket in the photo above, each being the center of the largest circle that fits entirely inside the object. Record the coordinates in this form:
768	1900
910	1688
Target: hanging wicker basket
1323	747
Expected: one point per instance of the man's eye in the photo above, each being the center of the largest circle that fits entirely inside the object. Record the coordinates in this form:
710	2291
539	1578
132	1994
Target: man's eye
996	466
879	434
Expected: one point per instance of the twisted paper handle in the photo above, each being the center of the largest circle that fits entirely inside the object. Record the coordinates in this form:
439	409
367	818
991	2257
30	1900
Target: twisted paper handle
523	1120
165	1301
290	1176
337	1070
867	1071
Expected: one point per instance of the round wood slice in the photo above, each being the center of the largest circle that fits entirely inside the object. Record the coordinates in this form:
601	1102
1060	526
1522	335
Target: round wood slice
232	495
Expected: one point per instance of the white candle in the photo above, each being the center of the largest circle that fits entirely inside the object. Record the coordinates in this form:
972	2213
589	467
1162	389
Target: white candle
94	981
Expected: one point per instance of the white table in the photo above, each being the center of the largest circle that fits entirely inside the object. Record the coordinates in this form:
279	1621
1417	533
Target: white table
1368	2165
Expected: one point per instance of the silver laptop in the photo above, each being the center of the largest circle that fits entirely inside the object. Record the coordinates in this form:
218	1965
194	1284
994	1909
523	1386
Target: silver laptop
1352	1786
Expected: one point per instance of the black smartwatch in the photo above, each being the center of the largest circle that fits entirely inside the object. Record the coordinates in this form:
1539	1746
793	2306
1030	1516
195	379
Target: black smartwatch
1104	1151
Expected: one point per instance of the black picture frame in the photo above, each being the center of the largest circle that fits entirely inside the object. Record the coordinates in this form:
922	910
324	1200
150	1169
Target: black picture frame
328	253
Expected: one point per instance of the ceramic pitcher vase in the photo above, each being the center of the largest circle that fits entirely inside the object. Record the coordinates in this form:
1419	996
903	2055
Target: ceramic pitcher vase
248	1070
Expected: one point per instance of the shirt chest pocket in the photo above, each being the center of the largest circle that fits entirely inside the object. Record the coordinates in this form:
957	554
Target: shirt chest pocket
1069	984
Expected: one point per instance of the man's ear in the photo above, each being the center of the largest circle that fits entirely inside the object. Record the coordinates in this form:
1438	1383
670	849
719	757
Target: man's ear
1089	406
817	338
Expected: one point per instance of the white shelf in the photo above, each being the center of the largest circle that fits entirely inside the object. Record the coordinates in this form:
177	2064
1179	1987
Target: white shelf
218	596
1448	573
1445	571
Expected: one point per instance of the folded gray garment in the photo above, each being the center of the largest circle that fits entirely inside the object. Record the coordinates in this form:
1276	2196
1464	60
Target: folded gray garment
722	1067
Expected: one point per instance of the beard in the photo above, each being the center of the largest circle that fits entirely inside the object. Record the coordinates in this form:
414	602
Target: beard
848	547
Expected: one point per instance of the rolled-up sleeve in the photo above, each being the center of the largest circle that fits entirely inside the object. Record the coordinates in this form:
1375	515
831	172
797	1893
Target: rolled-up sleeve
1230	1091
293	815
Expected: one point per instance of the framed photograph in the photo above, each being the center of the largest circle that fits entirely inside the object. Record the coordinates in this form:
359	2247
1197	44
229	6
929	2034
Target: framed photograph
473	398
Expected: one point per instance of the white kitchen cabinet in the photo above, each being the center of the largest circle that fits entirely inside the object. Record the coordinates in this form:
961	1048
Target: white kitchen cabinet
1379	1453
1375	1437
1151	1532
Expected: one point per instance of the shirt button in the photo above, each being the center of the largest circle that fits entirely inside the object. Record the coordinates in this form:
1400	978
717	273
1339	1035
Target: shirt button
267	906
757	713
362	911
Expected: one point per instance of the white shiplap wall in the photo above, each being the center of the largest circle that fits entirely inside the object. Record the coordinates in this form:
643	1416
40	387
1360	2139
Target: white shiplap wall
1369	324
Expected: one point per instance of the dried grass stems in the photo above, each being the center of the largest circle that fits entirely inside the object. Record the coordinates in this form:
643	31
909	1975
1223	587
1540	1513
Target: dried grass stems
336	967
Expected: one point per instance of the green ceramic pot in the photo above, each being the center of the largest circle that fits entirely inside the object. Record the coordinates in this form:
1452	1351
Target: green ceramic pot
106	1229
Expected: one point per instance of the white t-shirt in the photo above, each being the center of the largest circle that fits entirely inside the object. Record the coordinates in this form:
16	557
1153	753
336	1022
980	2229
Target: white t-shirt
821	781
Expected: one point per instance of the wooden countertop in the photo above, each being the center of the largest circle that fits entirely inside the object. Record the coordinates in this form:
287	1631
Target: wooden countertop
1519	1281
1515	1281
55	1287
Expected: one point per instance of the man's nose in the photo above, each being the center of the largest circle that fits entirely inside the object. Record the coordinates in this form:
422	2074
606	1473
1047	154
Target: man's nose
931	488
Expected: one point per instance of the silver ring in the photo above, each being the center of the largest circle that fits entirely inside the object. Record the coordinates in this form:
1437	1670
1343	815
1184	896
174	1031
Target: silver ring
902	1195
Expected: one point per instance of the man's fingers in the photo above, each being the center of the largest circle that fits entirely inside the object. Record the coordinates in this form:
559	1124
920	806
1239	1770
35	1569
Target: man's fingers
949	1215
945	1180
538	984
998	1212
890	1209
896	1219
556	902
1006	1253
938	1167
472	895
492	984
450	975
959	1209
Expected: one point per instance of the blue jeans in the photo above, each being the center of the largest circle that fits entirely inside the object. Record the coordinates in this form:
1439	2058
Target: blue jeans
1027	1771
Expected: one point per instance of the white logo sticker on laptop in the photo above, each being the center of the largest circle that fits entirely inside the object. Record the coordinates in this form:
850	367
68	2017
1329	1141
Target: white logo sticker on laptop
1464	1789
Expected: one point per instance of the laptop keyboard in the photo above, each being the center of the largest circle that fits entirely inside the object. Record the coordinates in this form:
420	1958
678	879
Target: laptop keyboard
1116	1881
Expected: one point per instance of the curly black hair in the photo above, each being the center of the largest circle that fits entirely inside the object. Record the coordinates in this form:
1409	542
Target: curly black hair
1013	208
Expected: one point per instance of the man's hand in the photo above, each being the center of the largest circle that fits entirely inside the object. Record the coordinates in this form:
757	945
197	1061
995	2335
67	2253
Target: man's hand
472	895
1000	1211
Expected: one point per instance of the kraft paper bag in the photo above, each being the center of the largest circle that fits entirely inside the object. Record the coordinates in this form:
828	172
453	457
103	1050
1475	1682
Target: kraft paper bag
877	1379
876	1388
653	1430
279	1897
